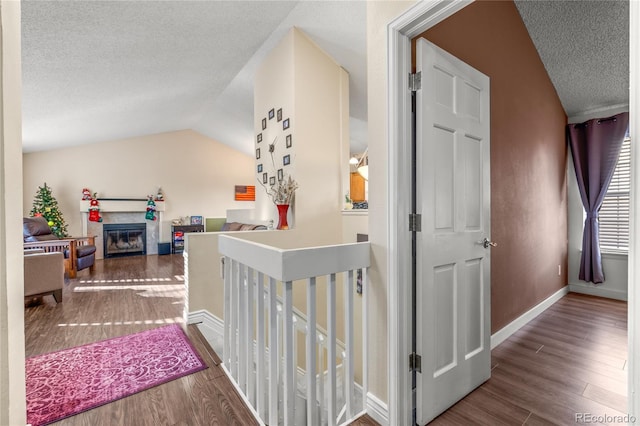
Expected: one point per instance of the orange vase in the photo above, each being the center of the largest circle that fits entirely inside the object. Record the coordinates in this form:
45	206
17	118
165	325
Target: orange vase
283	209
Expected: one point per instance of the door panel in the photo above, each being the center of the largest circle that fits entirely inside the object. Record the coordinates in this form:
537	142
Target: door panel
453	196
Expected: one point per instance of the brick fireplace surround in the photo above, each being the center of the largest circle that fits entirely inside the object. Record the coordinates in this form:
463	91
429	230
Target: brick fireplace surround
115	211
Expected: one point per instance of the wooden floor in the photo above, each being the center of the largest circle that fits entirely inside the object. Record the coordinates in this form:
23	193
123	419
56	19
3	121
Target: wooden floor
569	360
124	296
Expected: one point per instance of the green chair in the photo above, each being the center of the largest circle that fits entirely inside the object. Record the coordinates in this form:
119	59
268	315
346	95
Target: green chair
214	224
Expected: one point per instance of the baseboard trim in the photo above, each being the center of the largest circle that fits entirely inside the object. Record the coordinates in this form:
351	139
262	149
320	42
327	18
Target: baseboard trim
377	410
593	290
515	325
210	326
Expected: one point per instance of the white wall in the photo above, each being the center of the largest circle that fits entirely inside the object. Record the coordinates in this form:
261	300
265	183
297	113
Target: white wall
354	222
615	266
12	381
196	173
313	92
379	15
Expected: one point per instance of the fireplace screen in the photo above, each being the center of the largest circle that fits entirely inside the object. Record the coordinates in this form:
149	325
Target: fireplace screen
124	239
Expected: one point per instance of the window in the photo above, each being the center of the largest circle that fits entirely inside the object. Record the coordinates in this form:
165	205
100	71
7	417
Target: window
614	213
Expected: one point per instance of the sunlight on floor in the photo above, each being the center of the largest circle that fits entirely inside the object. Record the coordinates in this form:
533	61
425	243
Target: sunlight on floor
133	280
170	290
175	320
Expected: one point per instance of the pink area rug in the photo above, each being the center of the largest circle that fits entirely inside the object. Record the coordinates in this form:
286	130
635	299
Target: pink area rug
64	383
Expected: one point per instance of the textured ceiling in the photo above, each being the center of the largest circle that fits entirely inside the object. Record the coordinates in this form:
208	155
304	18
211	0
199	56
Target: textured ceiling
585	48
104	70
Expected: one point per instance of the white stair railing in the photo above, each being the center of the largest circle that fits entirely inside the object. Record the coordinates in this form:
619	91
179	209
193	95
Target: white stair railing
261	328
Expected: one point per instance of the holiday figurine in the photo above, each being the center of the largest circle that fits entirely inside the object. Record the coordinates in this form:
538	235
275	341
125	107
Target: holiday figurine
86	194
159	195
94	210
151	209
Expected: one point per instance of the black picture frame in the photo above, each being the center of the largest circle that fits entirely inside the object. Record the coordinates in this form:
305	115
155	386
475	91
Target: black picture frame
286	160
271	113
265	178
264	123
279	114
280	175
259	137
258	154
272	180
285	124
259	168
289	141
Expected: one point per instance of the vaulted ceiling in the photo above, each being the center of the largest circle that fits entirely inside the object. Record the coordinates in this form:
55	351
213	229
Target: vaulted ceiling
104	70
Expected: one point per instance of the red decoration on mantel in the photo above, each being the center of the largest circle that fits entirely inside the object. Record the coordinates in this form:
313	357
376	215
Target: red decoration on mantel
94	210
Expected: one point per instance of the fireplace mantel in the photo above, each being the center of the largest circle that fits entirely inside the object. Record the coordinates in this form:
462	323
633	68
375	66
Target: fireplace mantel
123	210
121	205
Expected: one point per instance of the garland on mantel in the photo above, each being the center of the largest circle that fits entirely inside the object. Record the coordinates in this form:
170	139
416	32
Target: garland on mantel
87	195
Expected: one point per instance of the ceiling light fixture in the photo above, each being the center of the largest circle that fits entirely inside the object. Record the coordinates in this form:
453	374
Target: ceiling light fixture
363	165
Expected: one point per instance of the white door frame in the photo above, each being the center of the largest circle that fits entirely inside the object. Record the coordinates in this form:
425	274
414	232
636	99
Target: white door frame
414	21
400	31
633	290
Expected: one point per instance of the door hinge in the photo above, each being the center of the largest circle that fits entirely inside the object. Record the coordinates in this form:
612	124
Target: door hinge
415	362
415	222
415	81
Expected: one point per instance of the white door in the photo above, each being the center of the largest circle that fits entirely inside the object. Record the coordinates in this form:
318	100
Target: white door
453	264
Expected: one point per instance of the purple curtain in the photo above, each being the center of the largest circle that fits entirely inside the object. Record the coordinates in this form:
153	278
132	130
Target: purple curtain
595	146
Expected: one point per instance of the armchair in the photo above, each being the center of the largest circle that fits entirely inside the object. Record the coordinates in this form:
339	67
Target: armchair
79	253
43	274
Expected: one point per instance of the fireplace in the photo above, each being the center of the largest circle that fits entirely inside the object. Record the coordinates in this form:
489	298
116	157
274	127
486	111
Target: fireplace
124	239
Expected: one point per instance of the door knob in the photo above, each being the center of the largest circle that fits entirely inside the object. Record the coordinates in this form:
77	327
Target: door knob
486	243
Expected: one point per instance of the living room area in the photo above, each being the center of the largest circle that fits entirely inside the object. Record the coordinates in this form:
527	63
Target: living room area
196	175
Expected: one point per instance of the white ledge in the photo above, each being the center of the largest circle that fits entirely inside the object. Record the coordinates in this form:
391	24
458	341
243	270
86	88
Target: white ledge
355	212
295	264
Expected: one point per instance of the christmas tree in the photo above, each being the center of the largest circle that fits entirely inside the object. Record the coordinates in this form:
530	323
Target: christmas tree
46	205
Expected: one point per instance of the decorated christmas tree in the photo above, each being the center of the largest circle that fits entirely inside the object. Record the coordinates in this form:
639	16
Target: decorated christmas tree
46	205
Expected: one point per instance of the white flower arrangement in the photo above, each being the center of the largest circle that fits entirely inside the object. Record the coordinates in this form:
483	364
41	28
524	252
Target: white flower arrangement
282	192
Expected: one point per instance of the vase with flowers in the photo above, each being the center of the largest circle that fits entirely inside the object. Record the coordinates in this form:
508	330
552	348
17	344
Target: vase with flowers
281	193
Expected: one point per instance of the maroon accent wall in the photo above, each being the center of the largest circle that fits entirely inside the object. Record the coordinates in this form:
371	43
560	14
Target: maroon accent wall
528	155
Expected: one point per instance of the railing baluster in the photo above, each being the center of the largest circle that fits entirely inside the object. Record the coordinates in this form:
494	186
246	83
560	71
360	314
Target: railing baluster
331	349
294	363
235	315
243	334
251	378
226	353
311	352
349	376
289	379
364	322
261	354
246	319
321	381
273	352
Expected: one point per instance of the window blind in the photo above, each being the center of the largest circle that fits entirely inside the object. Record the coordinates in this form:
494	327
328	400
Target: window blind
614	213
